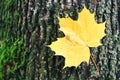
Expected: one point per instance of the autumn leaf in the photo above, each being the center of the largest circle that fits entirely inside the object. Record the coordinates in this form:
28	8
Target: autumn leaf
79	36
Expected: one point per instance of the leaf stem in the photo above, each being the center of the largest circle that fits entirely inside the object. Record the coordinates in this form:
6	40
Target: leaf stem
93	61
95	2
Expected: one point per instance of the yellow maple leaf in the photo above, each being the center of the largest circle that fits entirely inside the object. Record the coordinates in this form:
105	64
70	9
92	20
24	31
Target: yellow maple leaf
79	36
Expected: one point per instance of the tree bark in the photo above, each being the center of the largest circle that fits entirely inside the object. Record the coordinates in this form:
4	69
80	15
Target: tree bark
35	23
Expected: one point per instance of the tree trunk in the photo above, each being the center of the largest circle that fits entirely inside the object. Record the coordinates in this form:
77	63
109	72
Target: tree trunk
27	26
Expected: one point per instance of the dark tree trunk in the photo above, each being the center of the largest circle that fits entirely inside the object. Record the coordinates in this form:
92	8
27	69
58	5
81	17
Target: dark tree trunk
32	24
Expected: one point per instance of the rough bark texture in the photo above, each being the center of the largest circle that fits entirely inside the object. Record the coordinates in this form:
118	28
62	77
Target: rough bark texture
27	26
